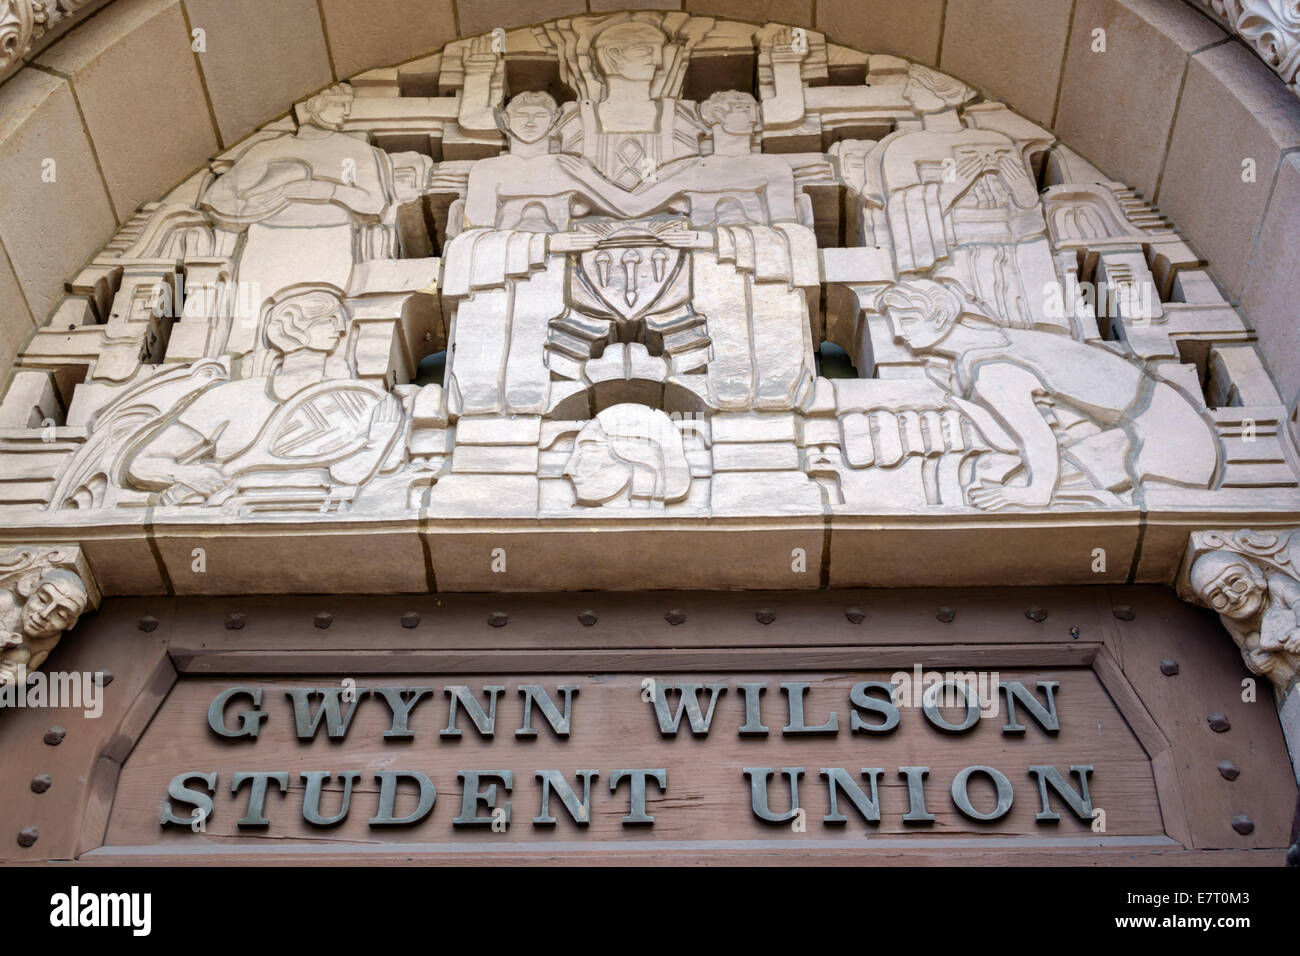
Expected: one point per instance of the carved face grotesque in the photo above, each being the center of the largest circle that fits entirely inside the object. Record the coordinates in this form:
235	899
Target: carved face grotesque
633	51
1230	584
55	605
530	116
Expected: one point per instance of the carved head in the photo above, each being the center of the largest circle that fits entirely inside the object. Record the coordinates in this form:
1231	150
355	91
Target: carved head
55	600
530	116
632	50
314	321
329	108
736	112
629	448
922	312
1231	584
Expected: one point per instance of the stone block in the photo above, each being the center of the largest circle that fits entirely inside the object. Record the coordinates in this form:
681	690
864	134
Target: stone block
1117	105
1234	122
483	16
54	210
1269	298
139	90
369	33
259	57
1013	49
884	26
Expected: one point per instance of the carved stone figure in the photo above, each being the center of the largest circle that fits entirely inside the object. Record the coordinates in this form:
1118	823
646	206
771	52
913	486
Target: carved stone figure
42	594
311	206
1250	579
1072	411
235	437
629	455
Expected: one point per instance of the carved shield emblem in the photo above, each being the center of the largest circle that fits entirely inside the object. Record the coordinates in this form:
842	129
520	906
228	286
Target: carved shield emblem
629	278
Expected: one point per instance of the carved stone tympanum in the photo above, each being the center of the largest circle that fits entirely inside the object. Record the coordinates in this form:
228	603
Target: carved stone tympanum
627	243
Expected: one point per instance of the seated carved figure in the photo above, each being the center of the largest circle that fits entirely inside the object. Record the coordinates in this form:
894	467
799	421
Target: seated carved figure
302	415
1261	611
1057	400
32	619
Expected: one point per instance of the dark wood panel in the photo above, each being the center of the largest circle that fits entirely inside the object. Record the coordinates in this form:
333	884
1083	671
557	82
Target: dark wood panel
708	797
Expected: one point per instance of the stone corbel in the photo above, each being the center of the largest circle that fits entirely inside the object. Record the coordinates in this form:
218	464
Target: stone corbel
24	22
1252	579
44	590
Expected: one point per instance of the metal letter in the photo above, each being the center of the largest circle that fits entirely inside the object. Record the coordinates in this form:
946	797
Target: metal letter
307	723
388	797
930	705
580	812
886	708
753	710
837	778
668	723
250	721
1044	716
636	809
471	796
311	796
916	811
395	697
962	798
485	722
560	725
178	790
758	777
257	795
794	691
1080	803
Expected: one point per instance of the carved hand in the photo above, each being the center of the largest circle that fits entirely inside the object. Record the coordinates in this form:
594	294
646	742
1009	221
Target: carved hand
573	242
784	48
478	56
201	479
679	237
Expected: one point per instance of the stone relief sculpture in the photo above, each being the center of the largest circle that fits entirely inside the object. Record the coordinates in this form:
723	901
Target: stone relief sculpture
631	454
631	238
1080	423
1252	580
1270	27
43	591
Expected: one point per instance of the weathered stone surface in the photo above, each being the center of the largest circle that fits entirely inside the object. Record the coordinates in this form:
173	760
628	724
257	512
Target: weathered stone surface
1014	49
1234	122
883	26
250	73
138	88
1269	295
1117	107
364	34
48	228
483	16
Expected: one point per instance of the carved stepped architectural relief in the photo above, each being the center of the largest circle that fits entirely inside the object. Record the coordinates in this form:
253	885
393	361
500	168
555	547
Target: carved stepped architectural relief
633	237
